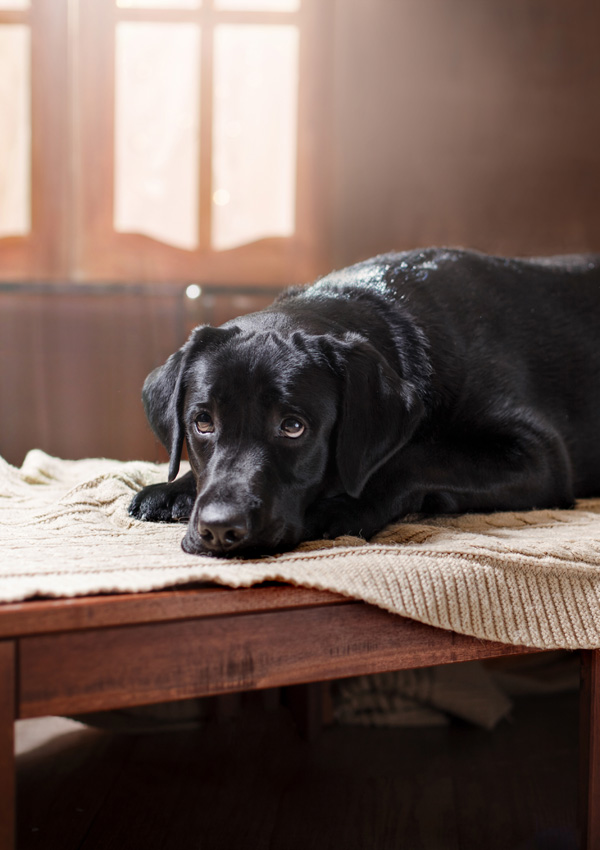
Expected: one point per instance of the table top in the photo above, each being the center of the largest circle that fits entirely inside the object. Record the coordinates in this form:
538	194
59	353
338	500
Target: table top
44	616
110	651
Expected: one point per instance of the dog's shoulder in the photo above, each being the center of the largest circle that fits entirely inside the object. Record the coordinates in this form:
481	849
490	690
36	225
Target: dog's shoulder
388	275
378	276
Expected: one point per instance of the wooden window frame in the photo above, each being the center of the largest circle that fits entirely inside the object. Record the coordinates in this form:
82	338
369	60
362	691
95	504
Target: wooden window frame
72	236
44	251
104	254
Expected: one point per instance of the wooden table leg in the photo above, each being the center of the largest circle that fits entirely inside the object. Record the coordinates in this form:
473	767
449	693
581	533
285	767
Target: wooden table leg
589	748
306	704
7	753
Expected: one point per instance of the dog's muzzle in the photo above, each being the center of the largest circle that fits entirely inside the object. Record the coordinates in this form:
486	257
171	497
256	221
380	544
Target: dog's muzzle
221	529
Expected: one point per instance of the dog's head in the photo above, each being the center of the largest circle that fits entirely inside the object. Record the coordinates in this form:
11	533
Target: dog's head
273	421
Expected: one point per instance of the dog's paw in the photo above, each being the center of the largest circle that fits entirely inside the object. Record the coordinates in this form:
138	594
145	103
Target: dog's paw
162	503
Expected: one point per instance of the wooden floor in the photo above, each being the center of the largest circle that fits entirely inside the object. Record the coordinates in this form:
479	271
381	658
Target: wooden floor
251	782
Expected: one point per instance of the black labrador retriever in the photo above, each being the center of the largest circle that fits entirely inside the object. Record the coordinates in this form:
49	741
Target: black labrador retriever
426	381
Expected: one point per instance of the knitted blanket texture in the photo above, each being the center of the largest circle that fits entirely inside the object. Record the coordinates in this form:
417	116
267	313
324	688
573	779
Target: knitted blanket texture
528	578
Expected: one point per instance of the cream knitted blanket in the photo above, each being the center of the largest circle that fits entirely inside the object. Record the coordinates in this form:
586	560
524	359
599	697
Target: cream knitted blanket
522	578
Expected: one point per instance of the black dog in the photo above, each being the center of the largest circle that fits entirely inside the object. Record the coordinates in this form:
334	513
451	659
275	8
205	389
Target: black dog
432	381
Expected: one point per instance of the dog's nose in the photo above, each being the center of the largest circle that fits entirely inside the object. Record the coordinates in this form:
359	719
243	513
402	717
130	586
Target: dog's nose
221	531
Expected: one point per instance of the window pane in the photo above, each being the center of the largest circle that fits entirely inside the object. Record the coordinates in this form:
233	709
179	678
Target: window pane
15	131
259	5
159	4
156	131
254	133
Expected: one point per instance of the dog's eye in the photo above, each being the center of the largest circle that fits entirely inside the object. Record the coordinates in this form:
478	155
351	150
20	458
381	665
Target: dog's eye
292	427
204	423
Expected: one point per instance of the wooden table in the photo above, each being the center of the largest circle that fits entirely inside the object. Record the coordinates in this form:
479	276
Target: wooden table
72	656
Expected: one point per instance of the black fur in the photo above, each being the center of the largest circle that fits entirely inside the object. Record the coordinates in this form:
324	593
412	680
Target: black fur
436	381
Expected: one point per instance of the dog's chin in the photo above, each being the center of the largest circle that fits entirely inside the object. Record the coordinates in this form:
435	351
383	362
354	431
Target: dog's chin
274	544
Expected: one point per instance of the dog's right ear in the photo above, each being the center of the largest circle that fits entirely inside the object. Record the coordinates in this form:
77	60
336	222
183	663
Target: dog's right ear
164	391
161	395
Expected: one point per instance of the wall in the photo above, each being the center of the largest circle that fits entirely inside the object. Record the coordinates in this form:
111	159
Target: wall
466	122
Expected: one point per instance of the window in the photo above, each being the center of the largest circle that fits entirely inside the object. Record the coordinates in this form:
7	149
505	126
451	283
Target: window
175	139
33	130
15	129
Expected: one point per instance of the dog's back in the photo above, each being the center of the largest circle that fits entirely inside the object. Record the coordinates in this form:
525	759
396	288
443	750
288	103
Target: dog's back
523	330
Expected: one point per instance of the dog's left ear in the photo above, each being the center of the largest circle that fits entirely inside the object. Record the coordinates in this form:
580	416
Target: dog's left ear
379	413
164	391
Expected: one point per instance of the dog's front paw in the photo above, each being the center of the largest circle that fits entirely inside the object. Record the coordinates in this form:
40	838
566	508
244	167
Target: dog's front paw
162	503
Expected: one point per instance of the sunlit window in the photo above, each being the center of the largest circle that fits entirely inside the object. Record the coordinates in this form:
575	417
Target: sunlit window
259	5
158	4
254	133
166	141
15	129
250	102
156	131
